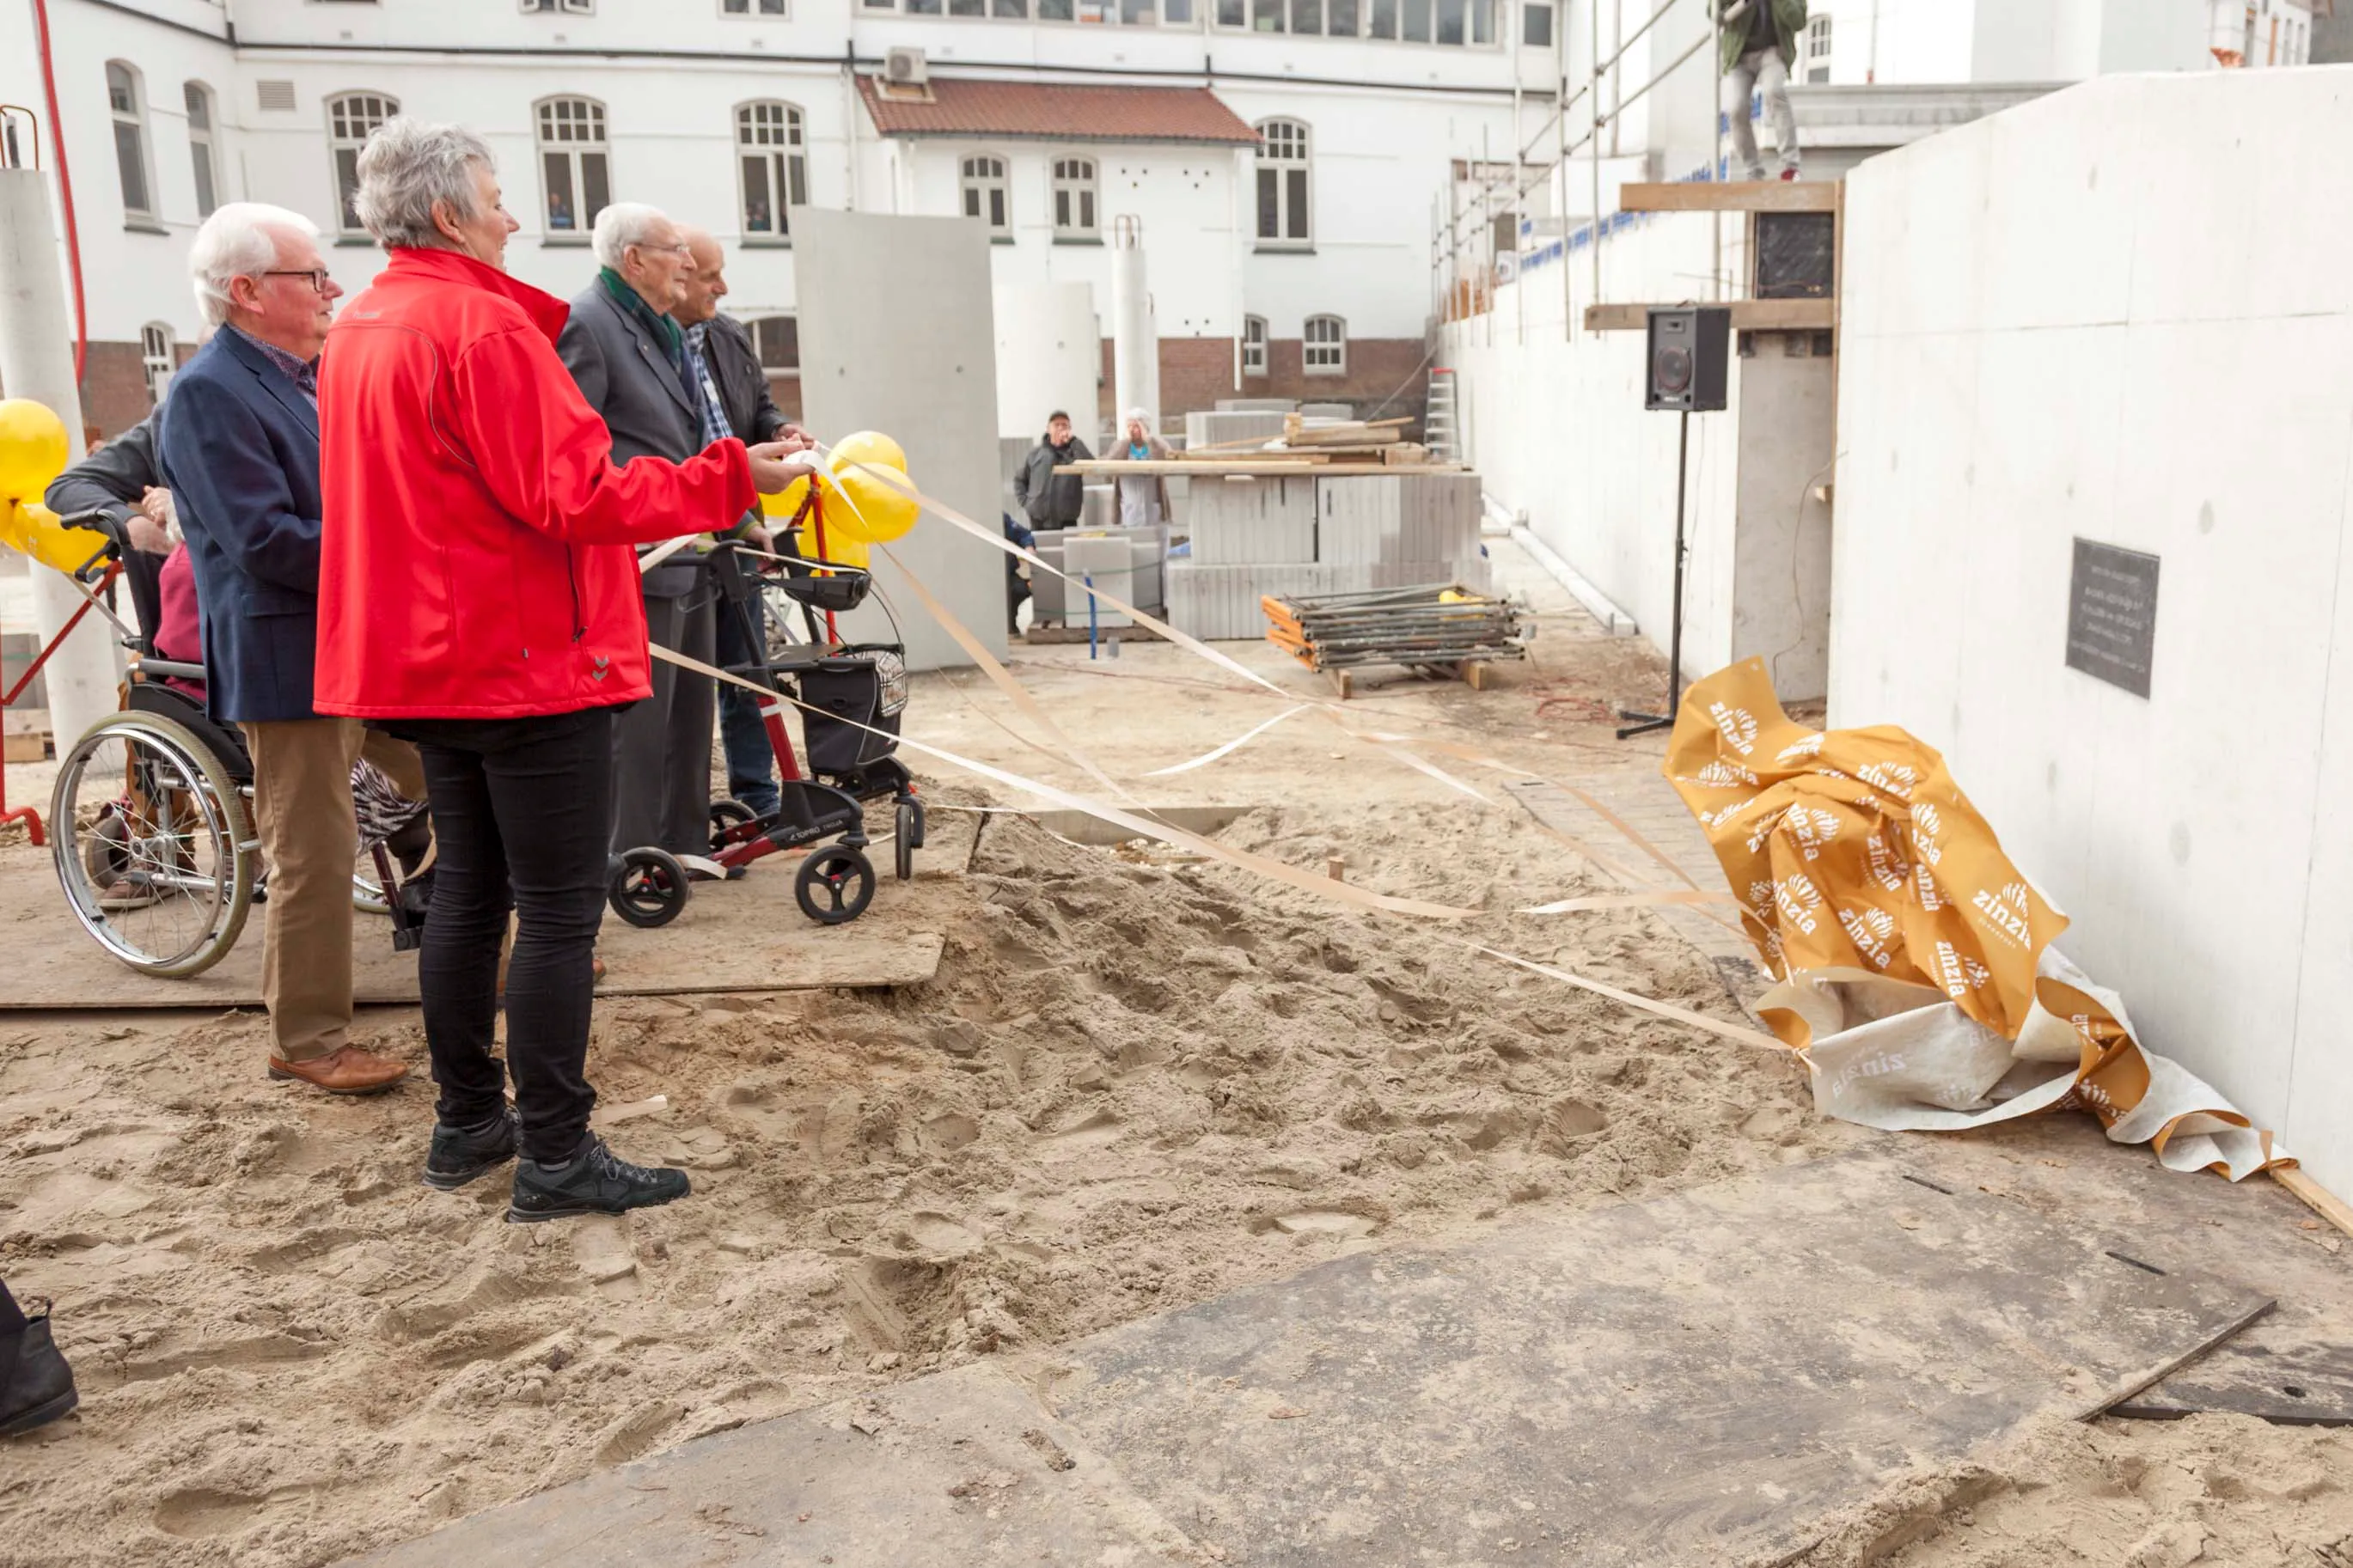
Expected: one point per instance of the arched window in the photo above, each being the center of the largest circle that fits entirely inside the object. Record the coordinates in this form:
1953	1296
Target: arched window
1253	345
1325	351
984	195
158	358
1074	199
1283	192
1817	62
575	180
352	119
199	99
126	101
771	156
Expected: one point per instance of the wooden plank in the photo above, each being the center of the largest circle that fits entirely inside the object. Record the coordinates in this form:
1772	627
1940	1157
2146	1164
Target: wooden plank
733	936
2317	1198
1731	196
1262	468
1748	316
2291	1381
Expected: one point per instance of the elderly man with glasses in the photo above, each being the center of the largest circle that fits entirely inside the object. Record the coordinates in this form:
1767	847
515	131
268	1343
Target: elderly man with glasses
239	450
632	362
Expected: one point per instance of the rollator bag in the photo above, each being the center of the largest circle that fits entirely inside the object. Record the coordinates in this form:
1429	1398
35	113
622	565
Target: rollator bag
862	687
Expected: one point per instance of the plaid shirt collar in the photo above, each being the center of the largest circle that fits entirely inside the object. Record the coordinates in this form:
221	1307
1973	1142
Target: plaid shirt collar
304	374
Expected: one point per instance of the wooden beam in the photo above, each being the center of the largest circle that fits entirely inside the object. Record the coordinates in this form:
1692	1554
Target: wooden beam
2317	1198
1748	316
1732	196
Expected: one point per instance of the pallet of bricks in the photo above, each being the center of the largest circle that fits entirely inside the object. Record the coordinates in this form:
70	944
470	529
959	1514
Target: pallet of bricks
1337	509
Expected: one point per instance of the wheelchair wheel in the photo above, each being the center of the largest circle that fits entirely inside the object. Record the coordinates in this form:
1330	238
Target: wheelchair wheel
152	845
907	839
649	886
835	885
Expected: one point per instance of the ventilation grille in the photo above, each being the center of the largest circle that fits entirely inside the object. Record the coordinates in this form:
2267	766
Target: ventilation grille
275	94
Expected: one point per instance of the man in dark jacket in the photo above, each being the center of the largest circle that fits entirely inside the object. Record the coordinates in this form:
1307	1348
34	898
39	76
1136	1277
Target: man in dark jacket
239	449
629	356
121	482
1759	44
741	385
1052	500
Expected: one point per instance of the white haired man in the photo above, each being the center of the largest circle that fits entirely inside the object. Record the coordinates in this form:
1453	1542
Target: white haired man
239	450
632	363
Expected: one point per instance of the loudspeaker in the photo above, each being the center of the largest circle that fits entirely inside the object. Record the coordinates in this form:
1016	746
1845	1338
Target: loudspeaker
1689	348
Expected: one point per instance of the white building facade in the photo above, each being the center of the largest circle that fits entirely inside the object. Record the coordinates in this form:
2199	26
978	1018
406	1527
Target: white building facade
1314	219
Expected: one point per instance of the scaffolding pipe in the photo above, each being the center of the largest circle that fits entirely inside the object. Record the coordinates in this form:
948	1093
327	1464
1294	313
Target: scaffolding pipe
1593	134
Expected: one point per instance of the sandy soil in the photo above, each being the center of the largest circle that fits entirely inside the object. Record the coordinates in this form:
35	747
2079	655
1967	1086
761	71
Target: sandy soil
1135	1084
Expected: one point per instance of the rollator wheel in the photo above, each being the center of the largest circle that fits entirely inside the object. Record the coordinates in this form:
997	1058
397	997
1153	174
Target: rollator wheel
726	815
649	886
835	885
909	803
908	839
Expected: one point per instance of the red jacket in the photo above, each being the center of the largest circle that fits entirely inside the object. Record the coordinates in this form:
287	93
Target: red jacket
476	559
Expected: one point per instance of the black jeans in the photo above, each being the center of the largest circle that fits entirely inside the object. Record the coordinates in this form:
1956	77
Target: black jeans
523	810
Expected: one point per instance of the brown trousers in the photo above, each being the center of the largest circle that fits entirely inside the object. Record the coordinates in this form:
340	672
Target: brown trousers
302	804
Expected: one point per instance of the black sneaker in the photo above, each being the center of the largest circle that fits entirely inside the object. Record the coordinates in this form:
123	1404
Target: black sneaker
461	1153
37	1386
593	1181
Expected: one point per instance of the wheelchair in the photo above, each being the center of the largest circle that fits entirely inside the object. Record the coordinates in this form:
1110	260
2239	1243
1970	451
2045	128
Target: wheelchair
153	837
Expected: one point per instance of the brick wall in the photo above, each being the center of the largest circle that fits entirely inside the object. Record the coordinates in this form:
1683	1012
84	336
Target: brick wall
784	392
1195	373
114	388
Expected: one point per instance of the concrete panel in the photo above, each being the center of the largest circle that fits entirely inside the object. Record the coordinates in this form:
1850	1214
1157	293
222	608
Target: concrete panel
2320	1074
1049	356
924	370
1782	539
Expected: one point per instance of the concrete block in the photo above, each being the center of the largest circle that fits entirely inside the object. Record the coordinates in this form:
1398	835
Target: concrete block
1207	429
1238	521
1107	565
1256	405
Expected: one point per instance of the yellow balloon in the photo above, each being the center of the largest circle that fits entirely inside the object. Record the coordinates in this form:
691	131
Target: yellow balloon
34	528
868	447
841	550
868	507
785	502
33	448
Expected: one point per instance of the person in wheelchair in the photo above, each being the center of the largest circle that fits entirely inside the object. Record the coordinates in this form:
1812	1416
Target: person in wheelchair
479	594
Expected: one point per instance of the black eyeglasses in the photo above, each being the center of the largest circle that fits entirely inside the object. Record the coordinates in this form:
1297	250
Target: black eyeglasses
317	274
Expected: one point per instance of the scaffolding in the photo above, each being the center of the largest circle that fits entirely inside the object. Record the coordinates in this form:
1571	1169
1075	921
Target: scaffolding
1460	293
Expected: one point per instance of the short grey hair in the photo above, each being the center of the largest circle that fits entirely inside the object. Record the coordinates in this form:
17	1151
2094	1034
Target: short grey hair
407	167
240	240
623	225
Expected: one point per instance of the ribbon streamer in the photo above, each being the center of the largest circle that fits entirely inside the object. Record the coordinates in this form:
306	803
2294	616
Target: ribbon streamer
1236	744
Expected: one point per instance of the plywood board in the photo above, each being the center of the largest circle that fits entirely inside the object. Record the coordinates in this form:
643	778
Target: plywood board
1729	196
733	936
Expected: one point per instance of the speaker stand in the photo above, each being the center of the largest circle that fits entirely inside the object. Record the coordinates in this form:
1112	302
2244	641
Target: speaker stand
1643	723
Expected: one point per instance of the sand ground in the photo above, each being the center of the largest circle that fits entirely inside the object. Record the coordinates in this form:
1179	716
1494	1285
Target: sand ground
1135	1083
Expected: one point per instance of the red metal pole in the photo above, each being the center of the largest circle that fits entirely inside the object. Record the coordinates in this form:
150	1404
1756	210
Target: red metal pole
31	819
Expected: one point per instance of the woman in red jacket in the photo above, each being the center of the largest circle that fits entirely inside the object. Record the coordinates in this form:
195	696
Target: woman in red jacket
478	595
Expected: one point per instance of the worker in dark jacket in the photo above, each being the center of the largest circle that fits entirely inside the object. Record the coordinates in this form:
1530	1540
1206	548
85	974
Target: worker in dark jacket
740	385
1052	500
122	483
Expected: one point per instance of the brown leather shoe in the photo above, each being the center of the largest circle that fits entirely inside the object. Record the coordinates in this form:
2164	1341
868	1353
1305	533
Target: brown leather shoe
347	1070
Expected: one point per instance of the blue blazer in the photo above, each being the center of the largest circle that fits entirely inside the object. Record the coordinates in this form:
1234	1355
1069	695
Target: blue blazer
240	453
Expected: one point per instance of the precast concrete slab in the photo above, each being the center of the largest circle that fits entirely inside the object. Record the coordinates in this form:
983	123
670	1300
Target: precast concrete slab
1692	1379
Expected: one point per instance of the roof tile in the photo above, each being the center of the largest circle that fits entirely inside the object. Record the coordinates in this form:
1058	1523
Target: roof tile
1055	111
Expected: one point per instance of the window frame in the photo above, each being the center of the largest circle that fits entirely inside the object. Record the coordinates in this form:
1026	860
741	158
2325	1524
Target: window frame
970	184
1816	53
1085	194
340	110
1479	23
1259	345
139	158
203	106
156	360
1309	344
575	151
786	167
752	326
1294	201
751	10
558	7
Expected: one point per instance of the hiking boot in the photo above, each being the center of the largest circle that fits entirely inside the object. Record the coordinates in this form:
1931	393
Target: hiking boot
37	1386
459	1154
593	1181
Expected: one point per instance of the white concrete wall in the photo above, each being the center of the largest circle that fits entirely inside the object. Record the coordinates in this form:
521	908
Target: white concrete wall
2113	313
1049	355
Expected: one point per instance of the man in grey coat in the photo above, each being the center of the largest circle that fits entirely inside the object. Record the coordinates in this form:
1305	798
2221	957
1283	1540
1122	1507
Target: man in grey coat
120	481
631	362
1052	500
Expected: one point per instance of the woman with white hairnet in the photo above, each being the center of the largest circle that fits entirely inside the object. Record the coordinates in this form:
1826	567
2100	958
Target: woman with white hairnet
1142	497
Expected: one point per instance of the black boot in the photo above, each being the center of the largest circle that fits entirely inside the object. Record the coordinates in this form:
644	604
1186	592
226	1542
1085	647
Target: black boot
458	1154
37	1386
593	1181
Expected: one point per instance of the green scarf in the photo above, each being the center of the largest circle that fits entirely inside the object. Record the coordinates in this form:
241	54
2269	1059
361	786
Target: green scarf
665	330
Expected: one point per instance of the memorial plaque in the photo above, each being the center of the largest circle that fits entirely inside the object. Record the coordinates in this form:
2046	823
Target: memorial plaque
2112	615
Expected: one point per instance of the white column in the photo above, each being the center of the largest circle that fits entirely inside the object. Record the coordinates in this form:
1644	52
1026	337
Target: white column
37	362
1134	334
